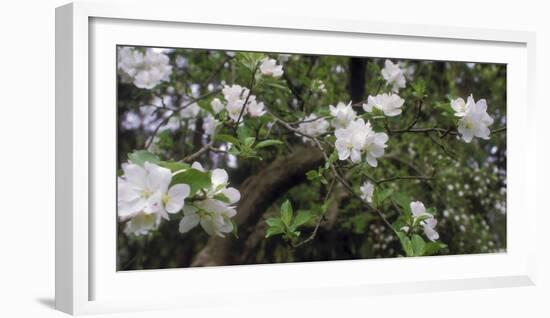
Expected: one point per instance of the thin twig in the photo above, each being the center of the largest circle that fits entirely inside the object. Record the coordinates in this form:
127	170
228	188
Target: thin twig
320	219
174	112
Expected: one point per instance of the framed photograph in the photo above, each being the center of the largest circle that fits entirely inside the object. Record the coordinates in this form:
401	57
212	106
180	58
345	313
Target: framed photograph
203	156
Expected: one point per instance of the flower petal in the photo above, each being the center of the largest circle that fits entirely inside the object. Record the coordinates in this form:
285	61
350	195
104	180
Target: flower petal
219	177
188	222
158	178
176	197
232	194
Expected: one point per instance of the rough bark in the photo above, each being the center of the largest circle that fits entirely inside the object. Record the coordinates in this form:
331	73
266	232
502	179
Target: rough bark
258	192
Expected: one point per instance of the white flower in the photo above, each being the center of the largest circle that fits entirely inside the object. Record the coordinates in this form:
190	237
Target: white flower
214	212
393	75
460	107
313	126
144	70
343	114
351	141
475	121
269	67
213	216
375	145
429	229
145	190
142	223
190	111
234	110
418	210
255	109
217	105
358	138
390	104
236	96
367	190
209	125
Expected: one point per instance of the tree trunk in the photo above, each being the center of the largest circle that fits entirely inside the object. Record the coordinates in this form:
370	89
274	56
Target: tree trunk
258	192
357	73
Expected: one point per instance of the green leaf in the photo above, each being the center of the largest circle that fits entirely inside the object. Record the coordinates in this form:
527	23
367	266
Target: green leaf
302	217
228	138
234	231
268	143
312	175
286	213
418	245
194	178
139	157
432	248
249	60
271	231
173	165
274	222
399	223
404	201
406	243
381	196
249	141
244	132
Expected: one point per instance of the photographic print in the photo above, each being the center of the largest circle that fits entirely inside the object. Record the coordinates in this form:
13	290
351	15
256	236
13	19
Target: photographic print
241	158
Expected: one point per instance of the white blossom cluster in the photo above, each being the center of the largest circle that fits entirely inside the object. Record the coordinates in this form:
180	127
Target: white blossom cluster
145	70
269	67
359	138
235	98
419	211
394	76
343	114
474	119
145	198
390	104
367	191
314	126
215	210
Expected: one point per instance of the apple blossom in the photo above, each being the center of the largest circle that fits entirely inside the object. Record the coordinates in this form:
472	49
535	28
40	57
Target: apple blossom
474	120
145	190
214	217
144	70
343	114
215	211
390	104
375	145
351	141
393	75
358	138
460	107
255	109
190	111
236	96
142	223
419	210
217	105
269	67
313	126
367	190
209	125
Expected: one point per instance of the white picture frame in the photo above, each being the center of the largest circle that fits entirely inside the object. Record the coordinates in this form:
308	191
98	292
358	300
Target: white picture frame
86	281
